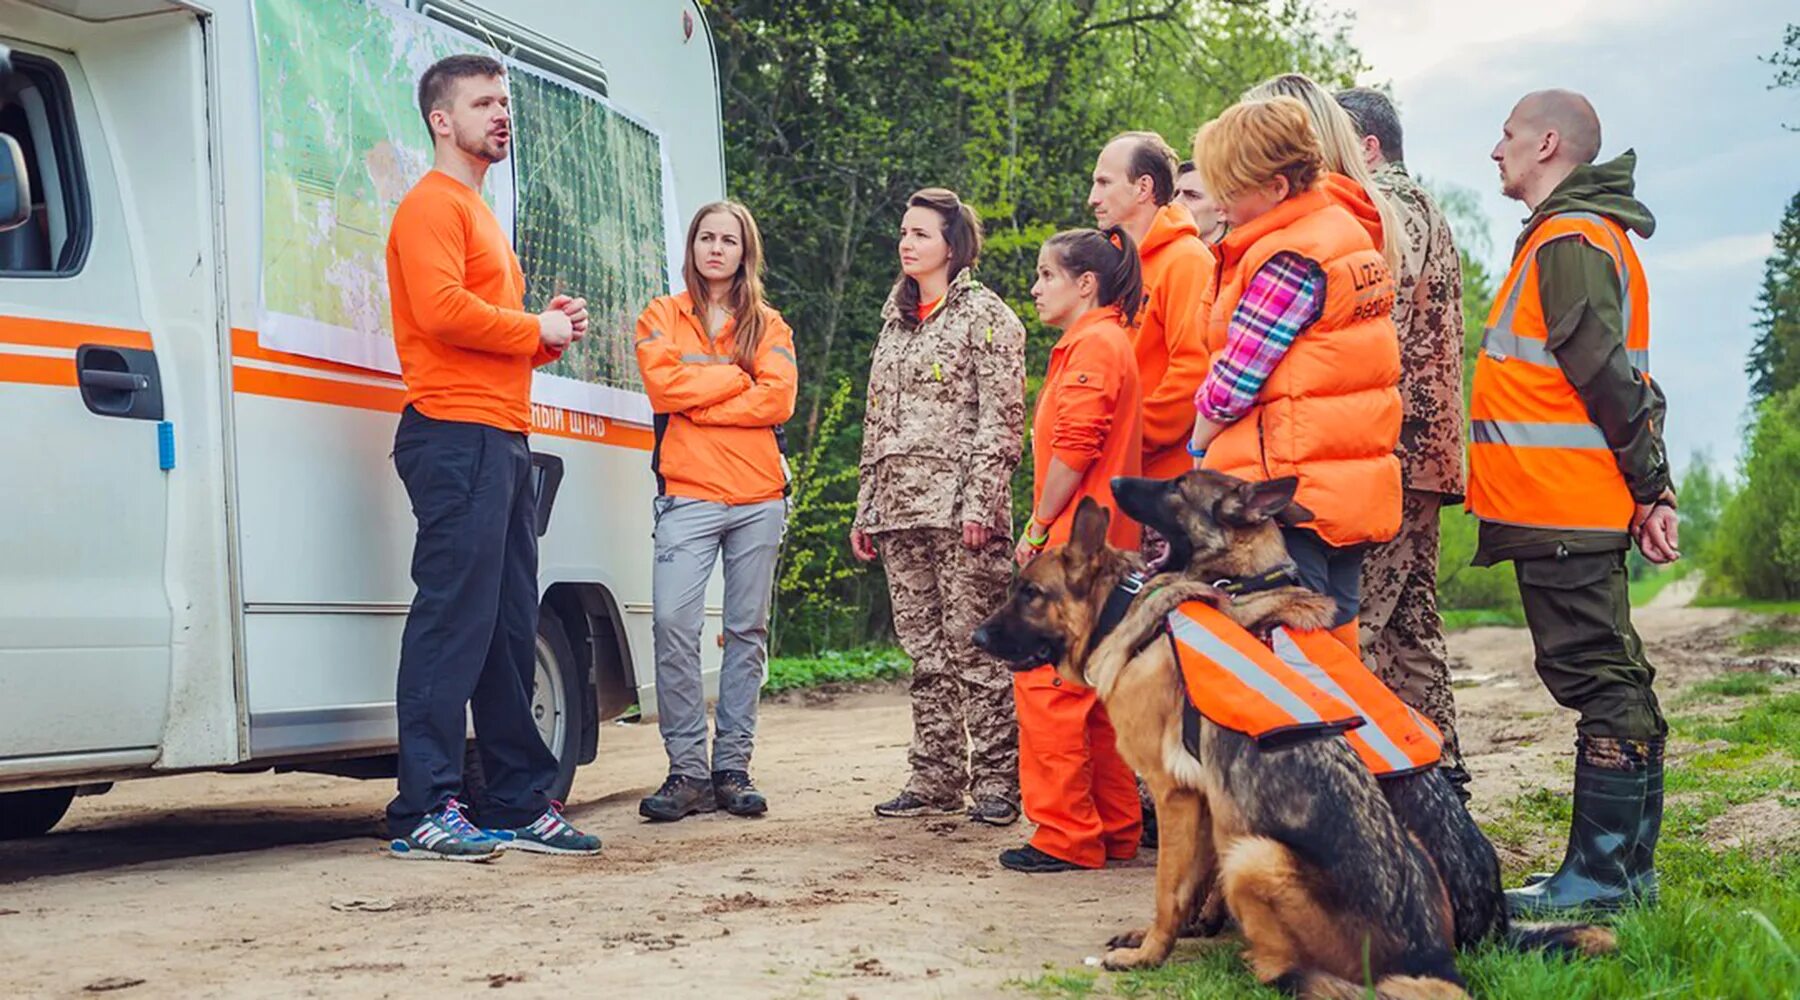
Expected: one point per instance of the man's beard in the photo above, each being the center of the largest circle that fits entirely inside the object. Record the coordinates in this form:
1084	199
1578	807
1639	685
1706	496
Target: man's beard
483	146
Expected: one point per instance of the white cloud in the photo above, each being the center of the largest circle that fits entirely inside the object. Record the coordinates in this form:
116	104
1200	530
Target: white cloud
1406	39
1716	254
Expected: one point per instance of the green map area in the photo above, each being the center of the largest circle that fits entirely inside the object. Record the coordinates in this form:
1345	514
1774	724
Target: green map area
343	143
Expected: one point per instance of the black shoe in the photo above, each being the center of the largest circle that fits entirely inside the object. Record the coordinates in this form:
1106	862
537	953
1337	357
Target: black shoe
994	812
1032	861
1608	816
679	796
1458	777
736	795
906	805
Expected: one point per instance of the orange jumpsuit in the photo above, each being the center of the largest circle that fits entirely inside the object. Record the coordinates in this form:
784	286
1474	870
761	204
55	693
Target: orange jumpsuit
1072	782
1170	339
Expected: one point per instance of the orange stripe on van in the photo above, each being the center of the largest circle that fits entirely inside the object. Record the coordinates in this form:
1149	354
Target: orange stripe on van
31	332
30	369
245	345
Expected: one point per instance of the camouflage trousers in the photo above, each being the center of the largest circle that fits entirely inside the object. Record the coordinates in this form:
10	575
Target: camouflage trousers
941	590
1402	633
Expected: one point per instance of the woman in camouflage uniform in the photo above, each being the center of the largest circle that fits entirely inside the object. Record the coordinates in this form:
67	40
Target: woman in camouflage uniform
941	436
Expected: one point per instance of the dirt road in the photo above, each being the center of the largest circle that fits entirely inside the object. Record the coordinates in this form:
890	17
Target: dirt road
266	885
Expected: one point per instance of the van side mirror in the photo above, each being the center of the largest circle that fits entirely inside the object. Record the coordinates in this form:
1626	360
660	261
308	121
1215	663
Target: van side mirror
15	185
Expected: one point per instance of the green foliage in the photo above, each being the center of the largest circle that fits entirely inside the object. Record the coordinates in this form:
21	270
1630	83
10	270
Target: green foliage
850	667
1757	547
835	112
1774	362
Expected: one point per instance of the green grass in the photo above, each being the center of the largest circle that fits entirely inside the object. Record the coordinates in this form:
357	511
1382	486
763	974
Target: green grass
1767	637
850	666
1728	926
1461	618
1746	604
1645	588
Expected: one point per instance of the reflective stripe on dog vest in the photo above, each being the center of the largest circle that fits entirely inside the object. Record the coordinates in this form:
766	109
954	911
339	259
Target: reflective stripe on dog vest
1394	739
1238	683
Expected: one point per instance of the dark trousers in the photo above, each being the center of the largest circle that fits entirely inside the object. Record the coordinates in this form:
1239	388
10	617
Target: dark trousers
1578	606
470	639
1329	570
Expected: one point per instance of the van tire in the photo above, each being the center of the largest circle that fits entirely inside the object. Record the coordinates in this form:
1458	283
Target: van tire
556	660
33	813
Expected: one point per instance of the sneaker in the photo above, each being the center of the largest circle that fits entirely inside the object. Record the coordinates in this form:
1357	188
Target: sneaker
736	795
446	835
552	834
679	796
1032	861
994	812
907	805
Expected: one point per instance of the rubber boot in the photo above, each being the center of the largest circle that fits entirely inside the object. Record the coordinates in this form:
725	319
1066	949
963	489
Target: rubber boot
1603	832
1640	870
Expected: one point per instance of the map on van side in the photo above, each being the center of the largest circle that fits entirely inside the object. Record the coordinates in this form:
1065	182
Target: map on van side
585	194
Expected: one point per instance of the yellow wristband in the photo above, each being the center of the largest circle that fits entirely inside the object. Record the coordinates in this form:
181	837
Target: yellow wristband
1039	540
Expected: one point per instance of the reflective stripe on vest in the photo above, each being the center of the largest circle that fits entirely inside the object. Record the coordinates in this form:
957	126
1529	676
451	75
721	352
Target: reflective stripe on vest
1394	740
1236	682
1536	458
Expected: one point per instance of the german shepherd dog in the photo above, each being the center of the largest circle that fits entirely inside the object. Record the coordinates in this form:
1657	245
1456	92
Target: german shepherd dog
1329	888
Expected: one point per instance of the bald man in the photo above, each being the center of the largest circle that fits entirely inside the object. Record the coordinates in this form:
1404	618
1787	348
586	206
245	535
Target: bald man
1566	469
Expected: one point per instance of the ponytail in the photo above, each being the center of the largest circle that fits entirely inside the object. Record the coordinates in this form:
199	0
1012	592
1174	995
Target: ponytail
1111	256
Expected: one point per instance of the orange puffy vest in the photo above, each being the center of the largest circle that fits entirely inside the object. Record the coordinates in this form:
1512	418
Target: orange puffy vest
1535	457
1301	682
1330	412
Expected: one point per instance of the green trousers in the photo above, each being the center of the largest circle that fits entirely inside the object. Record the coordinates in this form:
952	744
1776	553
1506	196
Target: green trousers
1578	606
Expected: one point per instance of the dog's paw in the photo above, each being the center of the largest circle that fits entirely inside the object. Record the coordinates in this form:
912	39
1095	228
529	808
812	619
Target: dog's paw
1122	959
1133	938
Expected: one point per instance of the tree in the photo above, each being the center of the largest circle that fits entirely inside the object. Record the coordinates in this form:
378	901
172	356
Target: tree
1786	61
834	112
1757	549
1774	362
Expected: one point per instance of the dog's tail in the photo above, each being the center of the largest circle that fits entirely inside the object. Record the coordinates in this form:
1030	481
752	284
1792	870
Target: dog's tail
1563	939
1316	984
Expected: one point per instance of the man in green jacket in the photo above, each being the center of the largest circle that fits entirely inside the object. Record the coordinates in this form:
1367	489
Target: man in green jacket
1571	569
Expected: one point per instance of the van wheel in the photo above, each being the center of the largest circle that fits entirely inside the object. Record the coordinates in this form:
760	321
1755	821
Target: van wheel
558	708
33	813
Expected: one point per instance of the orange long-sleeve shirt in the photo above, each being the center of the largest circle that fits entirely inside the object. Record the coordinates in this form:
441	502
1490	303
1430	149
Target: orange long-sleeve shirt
466	344
1170	338
715	423
1090	415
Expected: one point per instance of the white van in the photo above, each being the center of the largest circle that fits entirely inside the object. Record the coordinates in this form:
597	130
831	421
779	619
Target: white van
203	543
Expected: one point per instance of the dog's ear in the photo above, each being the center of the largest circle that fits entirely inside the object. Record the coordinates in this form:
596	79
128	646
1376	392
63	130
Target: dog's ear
1258	502
1091	522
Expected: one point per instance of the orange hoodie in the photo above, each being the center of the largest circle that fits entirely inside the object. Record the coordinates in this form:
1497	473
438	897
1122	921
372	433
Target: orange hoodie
1090	415
715	423
1356	201
1170	338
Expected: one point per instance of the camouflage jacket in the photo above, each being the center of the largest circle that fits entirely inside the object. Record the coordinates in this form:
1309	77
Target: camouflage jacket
1428	314
946	415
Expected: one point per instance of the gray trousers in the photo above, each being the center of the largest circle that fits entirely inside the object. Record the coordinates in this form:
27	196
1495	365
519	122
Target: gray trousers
690	536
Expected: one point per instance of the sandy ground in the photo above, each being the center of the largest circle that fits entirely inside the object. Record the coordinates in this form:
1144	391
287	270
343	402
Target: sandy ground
276	885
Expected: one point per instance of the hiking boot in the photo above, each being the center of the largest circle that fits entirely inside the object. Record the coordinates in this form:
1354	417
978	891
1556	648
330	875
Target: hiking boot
994	811
446	835
906	805
552	834
1611	789
679	796
736	795
1032	861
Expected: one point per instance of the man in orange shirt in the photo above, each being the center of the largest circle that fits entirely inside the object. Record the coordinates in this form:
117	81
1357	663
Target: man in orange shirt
467	348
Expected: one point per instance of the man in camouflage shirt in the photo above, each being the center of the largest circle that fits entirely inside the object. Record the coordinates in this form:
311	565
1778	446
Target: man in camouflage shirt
941	436
1402	632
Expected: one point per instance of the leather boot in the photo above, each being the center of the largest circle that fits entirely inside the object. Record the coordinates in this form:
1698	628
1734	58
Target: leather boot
1611	785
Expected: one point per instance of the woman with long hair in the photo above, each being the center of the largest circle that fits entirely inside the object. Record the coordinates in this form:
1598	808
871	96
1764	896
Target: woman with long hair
941	436
718	364
1088	429
1305	358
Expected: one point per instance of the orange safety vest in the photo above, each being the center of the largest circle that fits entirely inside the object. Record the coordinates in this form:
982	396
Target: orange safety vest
1301	682
1330	411
1536	458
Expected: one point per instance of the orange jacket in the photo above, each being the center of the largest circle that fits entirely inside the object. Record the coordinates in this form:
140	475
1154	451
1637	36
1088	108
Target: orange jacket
1330	412
1170	337
466	344
715	423
1090	415
1536	458
1300	682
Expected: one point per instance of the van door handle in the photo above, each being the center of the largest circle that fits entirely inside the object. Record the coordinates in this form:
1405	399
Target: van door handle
95	378
119	381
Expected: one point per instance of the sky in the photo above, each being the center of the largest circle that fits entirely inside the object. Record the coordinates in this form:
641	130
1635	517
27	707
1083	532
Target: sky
1679	82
